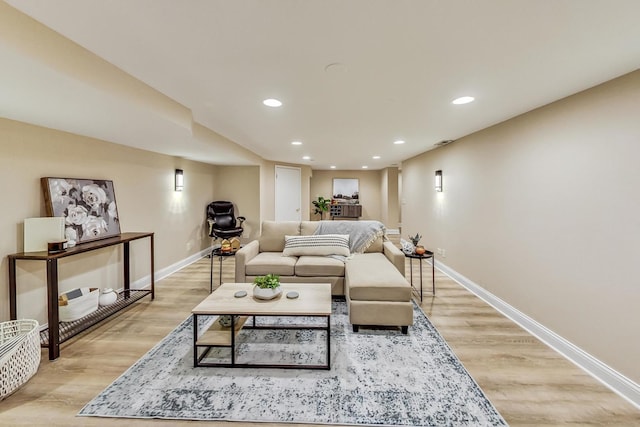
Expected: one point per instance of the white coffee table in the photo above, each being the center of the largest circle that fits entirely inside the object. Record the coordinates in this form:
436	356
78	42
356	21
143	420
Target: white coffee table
314	300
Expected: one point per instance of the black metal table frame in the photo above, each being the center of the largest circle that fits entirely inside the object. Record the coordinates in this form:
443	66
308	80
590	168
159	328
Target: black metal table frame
426	255
197	359
221	256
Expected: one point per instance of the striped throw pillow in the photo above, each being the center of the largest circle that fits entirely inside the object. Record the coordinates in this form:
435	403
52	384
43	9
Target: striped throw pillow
319	245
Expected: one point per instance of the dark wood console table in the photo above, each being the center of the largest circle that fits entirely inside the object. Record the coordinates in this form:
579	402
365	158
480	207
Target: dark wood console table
54	336
345	211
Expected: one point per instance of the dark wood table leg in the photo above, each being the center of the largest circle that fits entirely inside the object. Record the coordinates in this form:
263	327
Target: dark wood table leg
153	281
13	304
126	269
53	315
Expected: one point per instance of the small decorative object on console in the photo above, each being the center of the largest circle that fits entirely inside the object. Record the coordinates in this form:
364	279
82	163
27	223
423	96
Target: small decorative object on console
107	297
57	246
267	287
77	303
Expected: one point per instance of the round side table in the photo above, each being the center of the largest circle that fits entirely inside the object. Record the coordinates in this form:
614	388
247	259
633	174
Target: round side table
426	255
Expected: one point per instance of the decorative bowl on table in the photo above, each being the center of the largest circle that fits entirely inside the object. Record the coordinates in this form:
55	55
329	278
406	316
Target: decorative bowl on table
267	287
77	303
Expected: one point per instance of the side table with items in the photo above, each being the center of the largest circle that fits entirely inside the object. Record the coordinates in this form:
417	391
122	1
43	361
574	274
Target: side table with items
420	257
59	331
221	254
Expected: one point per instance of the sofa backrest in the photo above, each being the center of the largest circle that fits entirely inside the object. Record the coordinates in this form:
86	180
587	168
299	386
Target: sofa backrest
273	232
307	228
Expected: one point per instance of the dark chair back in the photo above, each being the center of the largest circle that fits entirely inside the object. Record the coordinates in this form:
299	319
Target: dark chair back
221	217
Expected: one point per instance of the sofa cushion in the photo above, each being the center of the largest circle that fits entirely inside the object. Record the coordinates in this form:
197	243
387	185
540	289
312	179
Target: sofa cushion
319	266
270	263
371	277
319	245
273	232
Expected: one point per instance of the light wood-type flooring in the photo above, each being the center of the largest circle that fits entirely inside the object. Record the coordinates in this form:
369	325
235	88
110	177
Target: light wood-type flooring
530	384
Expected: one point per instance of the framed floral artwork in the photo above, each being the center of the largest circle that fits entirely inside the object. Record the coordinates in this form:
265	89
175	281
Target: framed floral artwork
88	206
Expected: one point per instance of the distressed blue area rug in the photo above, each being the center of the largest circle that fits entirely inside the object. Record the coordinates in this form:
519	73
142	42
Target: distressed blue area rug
377	377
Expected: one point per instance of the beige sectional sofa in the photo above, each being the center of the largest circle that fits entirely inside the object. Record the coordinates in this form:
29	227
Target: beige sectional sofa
372	282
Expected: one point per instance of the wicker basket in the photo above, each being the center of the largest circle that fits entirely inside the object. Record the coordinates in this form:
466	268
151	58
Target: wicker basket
19	354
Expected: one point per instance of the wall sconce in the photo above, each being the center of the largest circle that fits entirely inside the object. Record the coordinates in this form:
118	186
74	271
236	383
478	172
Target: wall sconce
438	180
179	180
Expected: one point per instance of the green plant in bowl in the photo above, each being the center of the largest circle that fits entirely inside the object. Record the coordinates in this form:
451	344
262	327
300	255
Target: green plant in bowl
270	281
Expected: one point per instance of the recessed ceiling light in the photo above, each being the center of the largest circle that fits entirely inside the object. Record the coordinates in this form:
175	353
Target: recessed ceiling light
296	143
306	157
332	167
375	157
463	100
271	102
365	167
398	142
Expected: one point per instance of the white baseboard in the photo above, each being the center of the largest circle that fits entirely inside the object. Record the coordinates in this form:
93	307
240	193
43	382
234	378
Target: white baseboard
617	382
145	282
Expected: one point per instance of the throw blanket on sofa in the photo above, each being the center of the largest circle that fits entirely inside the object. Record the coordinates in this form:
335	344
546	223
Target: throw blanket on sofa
361	233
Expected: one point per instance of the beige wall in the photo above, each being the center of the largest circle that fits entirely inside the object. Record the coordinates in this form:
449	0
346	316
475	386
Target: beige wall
389	196
370	192
145	196
241	185
543	211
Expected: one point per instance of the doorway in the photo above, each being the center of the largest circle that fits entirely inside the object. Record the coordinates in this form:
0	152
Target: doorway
288	194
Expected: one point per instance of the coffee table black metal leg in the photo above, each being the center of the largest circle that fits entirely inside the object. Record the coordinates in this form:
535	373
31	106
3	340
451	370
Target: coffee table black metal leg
211	273
328	342
233	340
195	340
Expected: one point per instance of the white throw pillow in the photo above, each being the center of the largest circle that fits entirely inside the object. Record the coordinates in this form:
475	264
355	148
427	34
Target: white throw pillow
317	244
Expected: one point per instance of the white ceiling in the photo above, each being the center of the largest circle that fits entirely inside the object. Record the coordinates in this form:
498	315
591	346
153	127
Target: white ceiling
401	63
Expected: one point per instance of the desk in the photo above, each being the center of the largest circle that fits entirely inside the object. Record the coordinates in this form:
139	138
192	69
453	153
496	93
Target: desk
426	255
56	335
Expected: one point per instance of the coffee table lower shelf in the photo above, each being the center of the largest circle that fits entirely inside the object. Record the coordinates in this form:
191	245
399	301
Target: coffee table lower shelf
220	336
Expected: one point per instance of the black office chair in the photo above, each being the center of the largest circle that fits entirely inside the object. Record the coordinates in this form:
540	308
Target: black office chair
222	222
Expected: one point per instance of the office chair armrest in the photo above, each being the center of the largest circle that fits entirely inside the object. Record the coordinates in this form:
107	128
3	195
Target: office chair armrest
211	222
241	219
